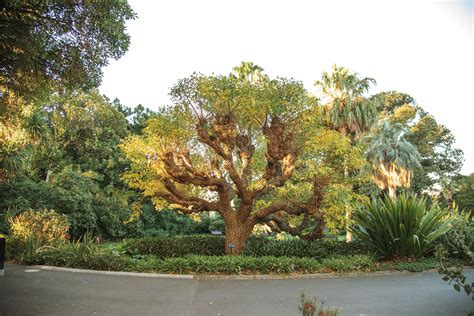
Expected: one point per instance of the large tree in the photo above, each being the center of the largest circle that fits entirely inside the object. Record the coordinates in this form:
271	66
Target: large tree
228	144
48	47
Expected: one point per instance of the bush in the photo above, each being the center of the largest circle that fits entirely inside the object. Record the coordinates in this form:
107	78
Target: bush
165	247
319	249
410	265
350	263
459	241
238	264
400	228
39	228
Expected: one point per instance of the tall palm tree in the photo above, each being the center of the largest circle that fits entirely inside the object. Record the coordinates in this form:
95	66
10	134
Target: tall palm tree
347	111
392	157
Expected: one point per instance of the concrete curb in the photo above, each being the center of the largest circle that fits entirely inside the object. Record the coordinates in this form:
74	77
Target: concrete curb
115	273
327	275
322	275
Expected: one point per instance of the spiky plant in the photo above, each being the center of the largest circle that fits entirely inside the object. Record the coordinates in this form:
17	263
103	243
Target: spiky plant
404	227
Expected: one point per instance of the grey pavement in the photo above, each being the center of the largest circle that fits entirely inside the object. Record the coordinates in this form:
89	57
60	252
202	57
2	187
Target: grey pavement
66	293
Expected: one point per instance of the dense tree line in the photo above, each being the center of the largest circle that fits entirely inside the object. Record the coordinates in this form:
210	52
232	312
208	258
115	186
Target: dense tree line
251	150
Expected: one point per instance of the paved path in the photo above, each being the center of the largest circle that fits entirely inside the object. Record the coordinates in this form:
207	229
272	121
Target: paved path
66	293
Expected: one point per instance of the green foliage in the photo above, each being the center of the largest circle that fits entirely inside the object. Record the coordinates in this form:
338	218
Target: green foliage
363	263
61	44
314	307
453	272
238	265
73	193
418	265
459	241
464	194
46	227
164	247
403	227
317	249
439	158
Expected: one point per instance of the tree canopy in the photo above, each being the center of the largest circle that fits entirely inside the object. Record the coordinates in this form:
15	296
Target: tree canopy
59	44
228	144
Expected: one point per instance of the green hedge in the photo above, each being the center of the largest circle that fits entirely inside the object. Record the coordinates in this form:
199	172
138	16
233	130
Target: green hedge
319	249
165	247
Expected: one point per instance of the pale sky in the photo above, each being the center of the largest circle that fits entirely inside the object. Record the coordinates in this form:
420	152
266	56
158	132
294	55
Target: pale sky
423	48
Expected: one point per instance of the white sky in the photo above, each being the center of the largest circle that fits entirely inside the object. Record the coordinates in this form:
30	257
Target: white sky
423	48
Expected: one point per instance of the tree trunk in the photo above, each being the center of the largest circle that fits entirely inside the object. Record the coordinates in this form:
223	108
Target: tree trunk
236	234
392	192
348	233
48	175
348	215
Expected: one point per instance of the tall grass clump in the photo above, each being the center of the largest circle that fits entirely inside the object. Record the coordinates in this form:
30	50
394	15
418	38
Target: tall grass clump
404	227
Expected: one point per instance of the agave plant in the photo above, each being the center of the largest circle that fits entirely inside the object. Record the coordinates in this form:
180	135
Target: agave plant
402	227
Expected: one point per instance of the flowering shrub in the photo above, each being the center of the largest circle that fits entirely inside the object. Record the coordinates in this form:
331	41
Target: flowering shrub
45	227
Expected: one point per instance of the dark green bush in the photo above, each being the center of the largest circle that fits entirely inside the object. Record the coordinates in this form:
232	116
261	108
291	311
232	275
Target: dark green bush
319	249
13	248
165	247
208	245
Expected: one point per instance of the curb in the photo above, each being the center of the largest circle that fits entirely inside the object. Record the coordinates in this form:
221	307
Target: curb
327	275
115	273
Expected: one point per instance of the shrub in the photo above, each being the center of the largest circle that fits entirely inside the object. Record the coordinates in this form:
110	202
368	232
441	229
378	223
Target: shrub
400	228
45	227
459	241
410	265
319	249
238	264
350	263
165	247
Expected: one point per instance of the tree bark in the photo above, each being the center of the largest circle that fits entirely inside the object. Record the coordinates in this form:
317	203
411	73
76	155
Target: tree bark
236	234
392	192
348	215
48	175
348	232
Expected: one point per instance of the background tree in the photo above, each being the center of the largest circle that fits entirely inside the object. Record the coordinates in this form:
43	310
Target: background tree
440	160
59	44
347	111
464	194
227	145
392	157
50	47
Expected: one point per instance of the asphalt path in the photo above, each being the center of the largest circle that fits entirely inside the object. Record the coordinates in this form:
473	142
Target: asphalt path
66	293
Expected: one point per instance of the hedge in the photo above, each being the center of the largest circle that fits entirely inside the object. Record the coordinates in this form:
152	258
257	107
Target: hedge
166	247
319	249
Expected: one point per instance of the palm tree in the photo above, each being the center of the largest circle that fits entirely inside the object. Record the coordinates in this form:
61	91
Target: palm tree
348	112
392	157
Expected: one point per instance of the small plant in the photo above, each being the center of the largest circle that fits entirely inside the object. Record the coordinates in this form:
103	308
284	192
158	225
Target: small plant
404	227
314	307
